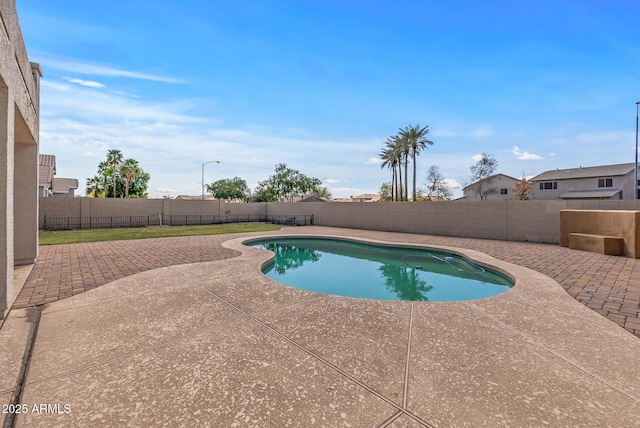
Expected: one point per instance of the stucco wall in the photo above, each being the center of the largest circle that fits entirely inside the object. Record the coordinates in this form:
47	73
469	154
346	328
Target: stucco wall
535	221
19	127
620	223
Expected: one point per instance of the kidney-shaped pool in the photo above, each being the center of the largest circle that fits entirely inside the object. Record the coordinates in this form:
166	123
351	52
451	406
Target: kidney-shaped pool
370	271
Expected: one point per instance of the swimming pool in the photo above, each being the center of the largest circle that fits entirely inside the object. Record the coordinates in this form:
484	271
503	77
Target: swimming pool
363	270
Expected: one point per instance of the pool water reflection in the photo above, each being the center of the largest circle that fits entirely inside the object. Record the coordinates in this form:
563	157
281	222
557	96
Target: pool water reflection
346	268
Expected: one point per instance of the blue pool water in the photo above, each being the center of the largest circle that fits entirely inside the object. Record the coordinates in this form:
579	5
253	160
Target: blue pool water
345	268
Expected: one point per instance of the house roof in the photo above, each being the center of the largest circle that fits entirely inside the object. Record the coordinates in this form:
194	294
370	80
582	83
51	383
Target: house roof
46	170
371	196
207	197
313	198
586	172
62	185
489	178
47	160
590	194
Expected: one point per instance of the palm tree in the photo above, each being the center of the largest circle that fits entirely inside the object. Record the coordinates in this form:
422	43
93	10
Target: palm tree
94	185
129	170
401	149
114	159
390	160
415	140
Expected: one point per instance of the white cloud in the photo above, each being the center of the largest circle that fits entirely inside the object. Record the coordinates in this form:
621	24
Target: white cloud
171	140
525	155
452	184
374	161
476	158
88	83
83	67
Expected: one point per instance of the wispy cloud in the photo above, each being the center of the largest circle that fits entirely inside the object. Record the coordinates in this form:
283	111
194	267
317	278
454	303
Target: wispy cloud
93	69
171	139
476	158
525	155
88	83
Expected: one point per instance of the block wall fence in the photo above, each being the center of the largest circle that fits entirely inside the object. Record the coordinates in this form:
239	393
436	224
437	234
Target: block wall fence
533	221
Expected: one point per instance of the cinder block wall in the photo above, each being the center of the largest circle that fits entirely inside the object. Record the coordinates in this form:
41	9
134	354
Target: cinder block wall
535	221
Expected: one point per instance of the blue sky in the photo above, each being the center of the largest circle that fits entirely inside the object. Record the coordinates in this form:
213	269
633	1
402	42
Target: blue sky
320	85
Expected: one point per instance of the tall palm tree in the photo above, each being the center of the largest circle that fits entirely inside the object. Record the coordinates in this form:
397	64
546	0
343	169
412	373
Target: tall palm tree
415	140
390	160
114	159
129	169
401	149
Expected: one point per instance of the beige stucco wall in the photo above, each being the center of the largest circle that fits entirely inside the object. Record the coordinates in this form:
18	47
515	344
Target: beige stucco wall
19	127
534	221
497	182
624	224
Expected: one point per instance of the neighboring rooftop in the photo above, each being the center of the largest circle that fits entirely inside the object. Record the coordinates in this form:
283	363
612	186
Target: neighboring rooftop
62	185
586	172
489	178
46	170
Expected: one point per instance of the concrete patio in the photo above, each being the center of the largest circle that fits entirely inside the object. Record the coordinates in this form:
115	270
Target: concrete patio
215	343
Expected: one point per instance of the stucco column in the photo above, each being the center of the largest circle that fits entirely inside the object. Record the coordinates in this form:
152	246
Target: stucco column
6	198
25	203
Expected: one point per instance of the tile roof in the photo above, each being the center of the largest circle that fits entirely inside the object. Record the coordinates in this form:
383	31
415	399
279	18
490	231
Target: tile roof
62	185
585	172
46	170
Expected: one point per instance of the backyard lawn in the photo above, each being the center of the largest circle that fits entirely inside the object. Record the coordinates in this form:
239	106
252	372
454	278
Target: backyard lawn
95	235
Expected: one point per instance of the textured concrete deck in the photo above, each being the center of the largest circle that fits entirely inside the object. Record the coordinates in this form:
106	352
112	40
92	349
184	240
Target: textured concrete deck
216	343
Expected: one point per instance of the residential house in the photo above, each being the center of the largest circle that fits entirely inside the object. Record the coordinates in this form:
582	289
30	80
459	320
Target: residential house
498	187
46	171
64	187
207	197
593	182
313	198
48	184
366	197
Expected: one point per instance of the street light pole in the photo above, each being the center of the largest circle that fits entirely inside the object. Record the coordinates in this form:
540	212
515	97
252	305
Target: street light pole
635	183
203	175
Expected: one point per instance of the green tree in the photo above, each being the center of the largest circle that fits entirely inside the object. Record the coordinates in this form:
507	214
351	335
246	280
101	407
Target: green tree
287	183
229	189
414	141
323	192
436	187
94	186
484	168
386	192
114	159
392	157
132	181
129	169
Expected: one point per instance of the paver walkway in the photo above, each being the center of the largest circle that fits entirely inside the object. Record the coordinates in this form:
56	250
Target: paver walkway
607	284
